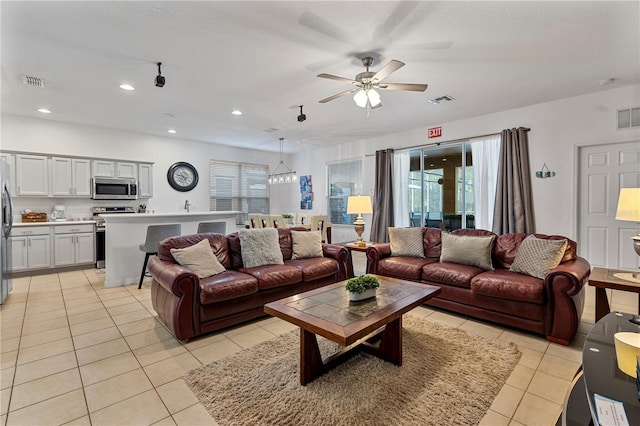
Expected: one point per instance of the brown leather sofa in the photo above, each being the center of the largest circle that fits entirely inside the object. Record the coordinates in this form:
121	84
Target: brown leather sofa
551	307
190	306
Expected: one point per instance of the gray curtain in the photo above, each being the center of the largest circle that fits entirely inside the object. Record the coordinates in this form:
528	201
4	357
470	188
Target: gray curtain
513	210
382	197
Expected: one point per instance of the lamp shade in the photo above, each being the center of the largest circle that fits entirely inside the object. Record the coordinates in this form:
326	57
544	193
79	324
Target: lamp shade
359	204
627	346
629	205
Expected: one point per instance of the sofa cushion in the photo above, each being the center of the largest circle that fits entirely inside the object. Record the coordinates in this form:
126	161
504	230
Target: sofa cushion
467	250
315	268
406	242
306	244
260	247
226	286
536	256
505	284
272	276
199	258
450	273
403	267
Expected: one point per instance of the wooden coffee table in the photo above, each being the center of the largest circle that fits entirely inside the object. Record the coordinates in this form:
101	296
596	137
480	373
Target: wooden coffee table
355	325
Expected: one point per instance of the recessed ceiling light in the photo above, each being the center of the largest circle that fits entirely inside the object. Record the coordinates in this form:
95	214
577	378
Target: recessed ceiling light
127	87
44	111
171	131
236	112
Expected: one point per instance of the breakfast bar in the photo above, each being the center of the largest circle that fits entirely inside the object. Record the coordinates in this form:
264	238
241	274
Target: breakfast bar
126	231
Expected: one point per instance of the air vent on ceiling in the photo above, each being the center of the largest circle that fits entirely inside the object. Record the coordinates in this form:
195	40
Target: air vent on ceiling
28	80
628	118
270	130
441	99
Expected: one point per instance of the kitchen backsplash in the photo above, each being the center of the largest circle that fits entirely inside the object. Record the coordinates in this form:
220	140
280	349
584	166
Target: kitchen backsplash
76	209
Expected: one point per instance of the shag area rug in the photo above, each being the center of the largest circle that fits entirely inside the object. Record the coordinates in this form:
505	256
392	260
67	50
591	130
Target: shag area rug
447	378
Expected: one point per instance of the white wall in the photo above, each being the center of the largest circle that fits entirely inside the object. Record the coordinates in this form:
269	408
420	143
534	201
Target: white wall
53	137
557	129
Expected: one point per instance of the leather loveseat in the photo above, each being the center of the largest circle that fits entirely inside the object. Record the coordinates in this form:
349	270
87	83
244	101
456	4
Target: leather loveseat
551	306
190	306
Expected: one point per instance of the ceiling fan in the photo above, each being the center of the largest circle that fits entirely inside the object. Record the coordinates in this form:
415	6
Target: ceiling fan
366	83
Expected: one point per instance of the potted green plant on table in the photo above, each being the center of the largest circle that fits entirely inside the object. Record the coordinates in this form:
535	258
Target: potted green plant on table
288	218
362	287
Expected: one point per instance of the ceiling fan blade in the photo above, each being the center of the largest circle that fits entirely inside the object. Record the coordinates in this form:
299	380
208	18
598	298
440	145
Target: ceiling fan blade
404	86
392	66
338	95
338	78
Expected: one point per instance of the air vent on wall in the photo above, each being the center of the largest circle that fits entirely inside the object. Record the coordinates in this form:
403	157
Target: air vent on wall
441	99
28	80
628	118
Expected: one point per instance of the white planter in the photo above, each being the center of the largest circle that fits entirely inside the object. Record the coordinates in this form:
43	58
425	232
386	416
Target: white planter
368	294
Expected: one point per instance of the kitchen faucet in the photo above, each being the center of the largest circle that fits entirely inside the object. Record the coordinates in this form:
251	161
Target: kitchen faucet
187	206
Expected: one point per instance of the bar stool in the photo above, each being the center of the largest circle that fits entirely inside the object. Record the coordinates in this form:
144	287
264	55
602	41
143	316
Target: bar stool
155	234
215	227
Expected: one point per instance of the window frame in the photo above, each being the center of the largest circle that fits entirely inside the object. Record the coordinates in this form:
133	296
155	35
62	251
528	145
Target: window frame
339	216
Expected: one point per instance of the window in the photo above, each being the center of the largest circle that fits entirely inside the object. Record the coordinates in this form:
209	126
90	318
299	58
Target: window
343	179
239	186
464	190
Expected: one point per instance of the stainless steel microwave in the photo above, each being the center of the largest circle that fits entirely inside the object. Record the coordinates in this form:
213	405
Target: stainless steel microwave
114	189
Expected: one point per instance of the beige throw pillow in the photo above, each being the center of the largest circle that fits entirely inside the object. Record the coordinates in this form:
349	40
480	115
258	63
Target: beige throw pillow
199	258
260	247
306	244
536	256
467	250
406	242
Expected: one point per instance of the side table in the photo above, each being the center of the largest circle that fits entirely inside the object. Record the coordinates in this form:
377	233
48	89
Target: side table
353	246
604	278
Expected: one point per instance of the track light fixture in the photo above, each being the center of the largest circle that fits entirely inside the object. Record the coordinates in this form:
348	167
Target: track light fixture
159	78
302	116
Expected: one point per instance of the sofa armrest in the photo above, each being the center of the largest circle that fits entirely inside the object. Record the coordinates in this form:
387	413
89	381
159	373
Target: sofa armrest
175	296
341	255
564	291
375	253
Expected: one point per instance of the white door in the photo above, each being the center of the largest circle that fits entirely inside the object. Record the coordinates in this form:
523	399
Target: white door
81	177
32	175
39	248
64	249
604	169
127	170
19	254
84	248
61	177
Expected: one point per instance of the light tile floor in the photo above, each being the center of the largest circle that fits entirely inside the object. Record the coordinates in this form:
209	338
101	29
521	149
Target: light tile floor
73	352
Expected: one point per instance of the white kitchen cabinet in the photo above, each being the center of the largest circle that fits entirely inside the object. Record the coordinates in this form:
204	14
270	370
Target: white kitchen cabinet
32	177
73	245
30	248
127	170
145	180
104	168
11	160
70	177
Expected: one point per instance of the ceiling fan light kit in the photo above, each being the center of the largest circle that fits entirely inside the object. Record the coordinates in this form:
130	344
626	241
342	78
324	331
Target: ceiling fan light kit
285	176
365	93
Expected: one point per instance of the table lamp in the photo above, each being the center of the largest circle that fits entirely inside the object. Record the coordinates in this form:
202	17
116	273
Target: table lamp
359	204
629	209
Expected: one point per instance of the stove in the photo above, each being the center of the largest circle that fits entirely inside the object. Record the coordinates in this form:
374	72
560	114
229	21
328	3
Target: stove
100	230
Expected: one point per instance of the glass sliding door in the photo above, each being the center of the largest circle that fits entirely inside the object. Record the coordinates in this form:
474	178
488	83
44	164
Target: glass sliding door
441	187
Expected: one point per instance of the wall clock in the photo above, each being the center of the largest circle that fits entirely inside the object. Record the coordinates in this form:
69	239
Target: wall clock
182	176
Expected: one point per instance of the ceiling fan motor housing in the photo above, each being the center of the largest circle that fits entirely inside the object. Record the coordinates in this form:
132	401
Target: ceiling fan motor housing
365	77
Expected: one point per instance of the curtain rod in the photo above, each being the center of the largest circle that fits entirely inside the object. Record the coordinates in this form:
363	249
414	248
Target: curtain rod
526	129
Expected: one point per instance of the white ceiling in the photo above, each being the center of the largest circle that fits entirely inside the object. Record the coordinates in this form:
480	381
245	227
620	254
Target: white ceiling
263	57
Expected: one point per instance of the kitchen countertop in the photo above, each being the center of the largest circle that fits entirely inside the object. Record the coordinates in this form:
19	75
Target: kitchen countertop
66	222
126	217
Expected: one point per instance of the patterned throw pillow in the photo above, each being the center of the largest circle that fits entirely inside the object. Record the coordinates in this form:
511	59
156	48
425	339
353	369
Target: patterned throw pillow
536	256
260	247
467	250
406	242
199	258
306	244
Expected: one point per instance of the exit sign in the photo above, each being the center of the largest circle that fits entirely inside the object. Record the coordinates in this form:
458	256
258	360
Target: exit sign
435	132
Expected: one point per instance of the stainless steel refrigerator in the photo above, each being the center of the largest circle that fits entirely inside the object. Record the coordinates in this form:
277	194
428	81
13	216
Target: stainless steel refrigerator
7	223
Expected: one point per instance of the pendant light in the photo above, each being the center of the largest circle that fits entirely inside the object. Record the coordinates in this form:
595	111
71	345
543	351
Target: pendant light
285	176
